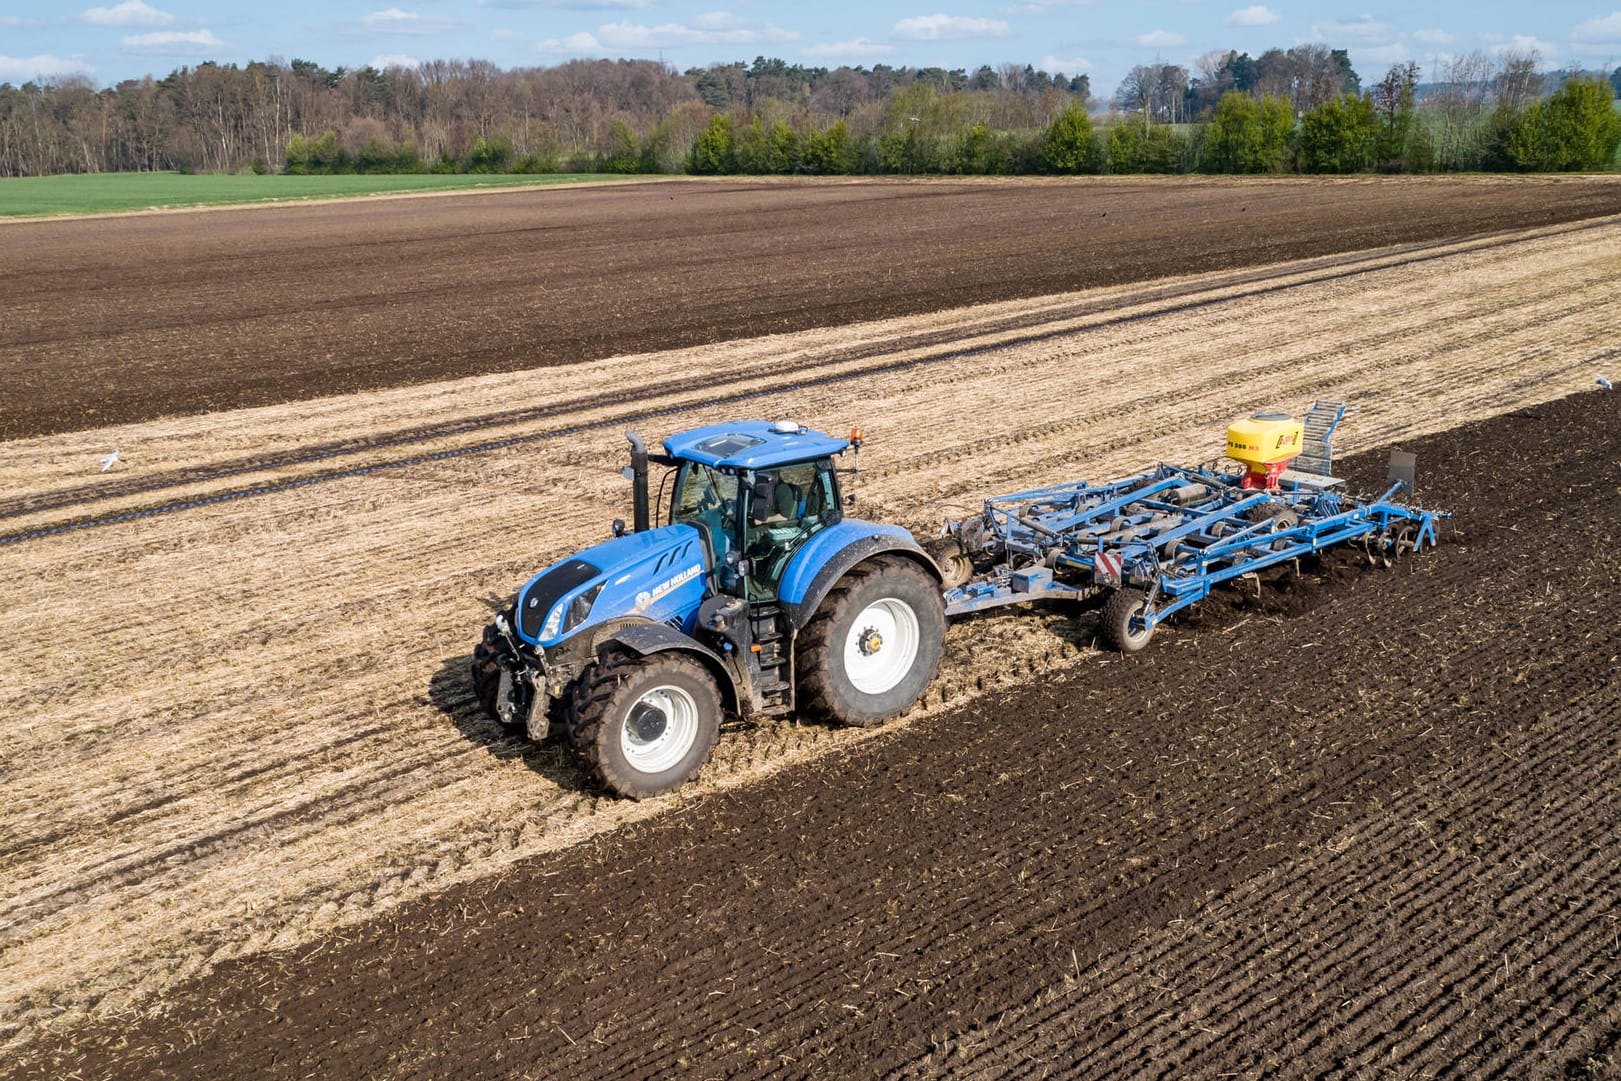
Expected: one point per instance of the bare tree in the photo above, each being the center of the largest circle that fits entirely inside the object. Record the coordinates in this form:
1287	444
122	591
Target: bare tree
1156	91
1518	81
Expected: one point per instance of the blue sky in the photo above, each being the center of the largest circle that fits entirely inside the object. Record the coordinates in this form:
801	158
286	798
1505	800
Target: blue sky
110	40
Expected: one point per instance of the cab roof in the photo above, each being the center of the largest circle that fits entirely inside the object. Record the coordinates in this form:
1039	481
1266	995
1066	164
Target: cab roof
752	444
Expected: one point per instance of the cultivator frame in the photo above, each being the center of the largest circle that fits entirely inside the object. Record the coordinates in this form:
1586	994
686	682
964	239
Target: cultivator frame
1162	540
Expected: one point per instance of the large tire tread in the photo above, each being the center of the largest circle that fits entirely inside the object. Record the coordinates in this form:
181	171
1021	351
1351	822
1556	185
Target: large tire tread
594	699
818	699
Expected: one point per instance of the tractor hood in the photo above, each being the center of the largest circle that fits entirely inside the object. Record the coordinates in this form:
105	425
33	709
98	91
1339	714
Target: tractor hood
659	575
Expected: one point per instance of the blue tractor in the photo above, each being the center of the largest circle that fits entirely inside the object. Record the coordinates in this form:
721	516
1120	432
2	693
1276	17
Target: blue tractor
755	596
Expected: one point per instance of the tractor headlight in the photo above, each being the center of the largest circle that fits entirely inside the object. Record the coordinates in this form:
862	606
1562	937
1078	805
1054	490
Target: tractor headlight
580	607
553	623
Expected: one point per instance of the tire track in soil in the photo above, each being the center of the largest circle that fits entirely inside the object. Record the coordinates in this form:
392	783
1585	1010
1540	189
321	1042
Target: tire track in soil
1025	330
896	871
513	313
479	838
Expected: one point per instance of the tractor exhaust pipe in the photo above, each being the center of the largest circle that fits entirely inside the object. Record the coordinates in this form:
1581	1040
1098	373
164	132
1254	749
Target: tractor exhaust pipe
638	483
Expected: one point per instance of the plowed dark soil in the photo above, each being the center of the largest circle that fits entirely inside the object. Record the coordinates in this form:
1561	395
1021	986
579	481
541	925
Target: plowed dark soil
1360	825
105	321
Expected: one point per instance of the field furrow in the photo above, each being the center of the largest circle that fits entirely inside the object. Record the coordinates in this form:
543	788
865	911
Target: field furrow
245	725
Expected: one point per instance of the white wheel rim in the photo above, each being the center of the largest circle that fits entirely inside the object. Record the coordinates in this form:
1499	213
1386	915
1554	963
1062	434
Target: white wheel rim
882	646
655	752
1136	629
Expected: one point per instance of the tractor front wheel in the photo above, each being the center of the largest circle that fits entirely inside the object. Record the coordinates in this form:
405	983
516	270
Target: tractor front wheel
873	645
1123	624
493	685
644	726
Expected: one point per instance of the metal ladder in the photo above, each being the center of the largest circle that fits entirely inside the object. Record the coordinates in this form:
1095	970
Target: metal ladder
1317	453
770	633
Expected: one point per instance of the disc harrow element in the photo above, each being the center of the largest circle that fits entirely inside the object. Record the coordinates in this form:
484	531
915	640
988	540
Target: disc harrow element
1169	535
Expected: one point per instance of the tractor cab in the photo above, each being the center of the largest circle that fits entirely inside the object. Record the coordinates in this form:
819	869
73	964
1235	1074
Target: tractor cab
757	492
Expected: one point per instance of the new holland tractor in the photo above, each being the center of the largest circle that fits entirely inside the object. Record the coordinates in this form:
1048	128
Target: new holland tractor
756	595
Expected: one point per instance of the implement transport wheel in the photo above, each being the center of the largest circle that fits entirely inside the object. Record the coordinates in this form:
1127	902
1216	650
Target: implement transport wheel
955	566
644	726
873	645
1123	626
1284	517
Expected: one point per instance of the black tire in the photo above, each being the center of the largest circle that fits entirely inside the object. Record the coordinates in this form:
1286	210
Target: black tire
625	707
1283	515
882	590
487	679
955	566
1121	621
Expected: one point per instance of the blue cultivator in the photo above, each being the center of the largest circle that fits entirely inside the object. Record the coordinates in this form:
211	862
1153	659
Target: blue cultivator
1154	543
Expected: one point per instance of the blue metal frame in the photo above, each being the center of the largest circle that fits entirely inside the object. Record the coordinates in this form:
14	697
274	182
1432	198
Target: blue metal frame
1174	532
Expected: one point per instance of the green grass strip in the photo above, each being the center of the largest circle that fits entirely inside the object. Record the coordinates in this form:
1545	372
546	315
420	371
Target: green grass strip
102	193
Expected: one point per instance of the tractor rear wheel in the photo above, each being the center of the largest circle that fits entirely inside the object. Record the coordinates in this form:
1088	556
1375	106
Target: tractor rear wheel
644	726
873	645
1123	626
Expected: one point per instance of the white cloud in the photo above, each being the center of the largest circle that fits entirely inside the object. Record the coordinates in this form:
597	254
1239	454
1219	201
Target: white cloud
1042	7
855	49
27	69
129	13
574	43
1524	44
13	22
949	28
1602	31
396	21
504	34
569	5
1364	31
1159	39
715	28
394	60
1254	15
1433	37
174	43
1074	65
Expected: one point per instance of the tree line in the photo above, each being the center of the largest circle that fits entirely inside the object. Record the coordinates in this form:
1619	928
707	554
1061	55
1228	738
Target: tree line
1300	109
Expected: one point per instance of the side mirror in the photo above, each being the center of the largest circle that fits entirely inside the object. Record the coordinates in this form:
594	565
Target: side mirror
619	527
850	500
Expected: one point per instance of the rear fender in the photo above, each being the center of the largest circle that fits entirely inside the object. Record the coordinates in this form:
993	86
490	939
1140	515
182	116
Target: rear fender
646	639
803	592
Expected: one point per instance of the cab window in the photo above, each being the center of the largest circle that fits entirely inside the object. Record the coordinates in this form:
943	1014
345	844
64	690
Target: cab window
786	507
707	498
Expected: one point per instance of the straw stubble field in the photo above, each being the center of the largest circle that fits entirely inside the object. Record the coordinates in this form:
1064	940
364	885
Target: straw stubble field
244	725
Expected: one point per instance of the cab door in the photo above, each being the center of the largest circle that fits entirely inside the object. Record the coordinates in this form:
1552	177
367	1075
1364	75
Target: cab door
785	507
